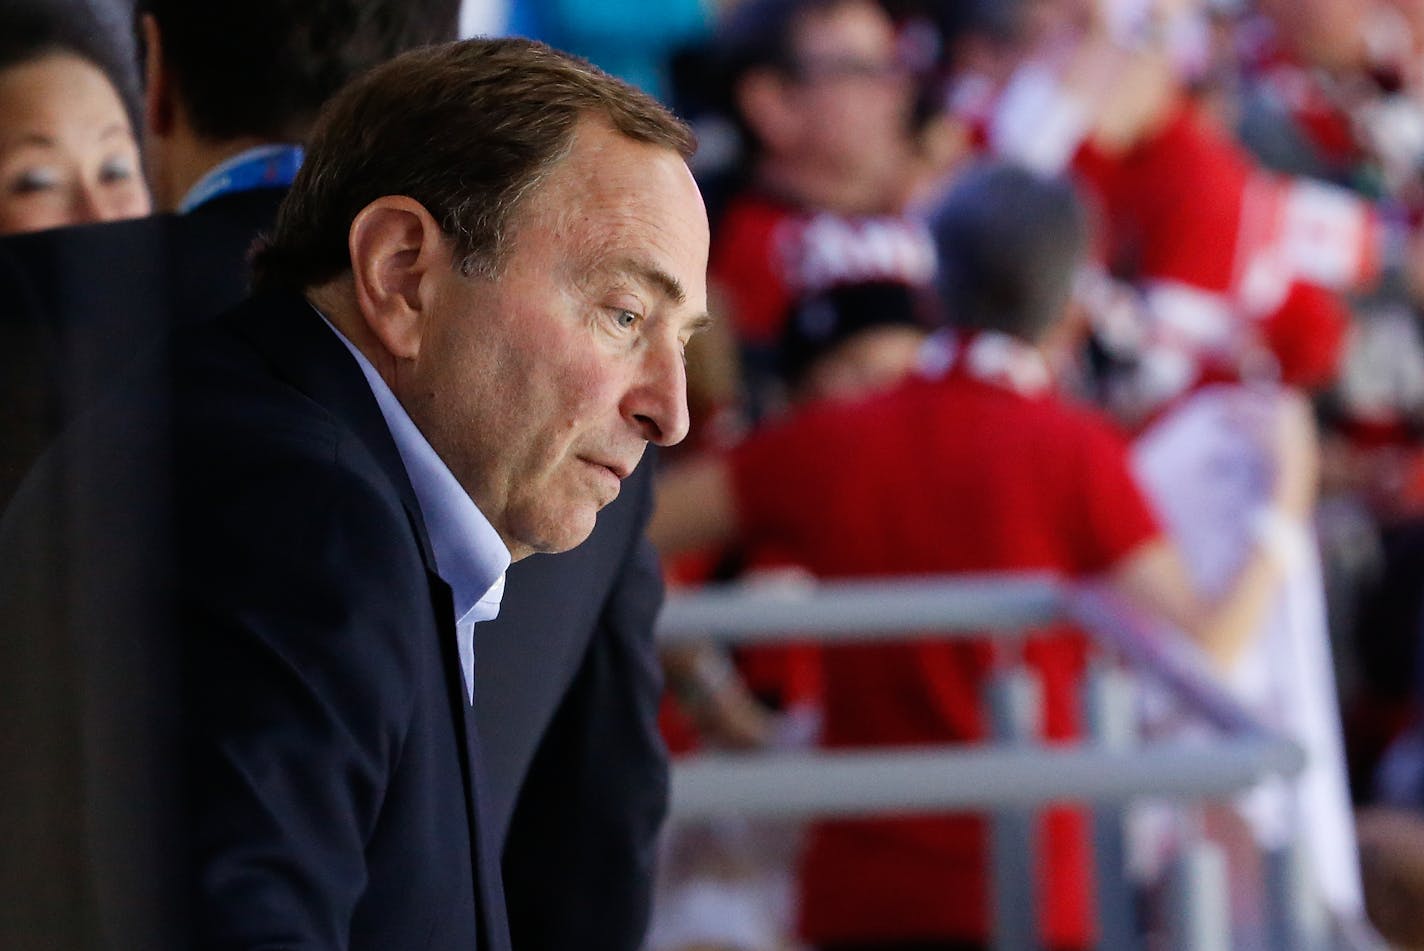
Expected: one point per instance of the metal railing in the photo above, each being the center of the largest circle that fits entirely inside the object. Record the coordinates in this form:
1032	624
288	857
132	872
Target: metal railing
1014	777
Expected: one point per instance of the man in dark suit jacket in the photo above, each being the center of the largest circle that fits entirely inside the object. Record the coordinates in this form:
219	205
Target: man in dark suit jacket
647	410
568	686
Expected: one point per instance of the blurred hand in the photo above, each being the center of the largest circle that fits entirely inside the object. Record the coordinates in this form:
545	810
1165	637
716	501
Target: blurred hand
1138	100
713	695
734	719
1296	451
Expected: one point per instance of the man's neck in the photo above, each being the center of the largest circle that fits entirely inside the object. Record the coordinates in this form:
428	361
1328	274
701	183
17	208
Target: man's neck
180	160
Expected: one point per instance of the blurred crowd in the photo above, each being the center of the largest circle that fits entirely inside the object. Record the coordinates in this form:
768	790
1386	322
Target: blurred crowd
1241	319
1123	289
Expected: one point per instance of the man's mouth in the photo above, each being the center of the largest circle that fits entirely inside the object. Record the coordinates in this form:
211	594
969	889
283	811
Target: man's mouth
620	470
609	476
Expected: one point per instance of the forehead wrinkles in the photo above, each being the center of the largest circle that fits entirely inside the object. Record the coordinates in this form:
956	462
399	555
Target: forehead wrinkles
614	202
624	237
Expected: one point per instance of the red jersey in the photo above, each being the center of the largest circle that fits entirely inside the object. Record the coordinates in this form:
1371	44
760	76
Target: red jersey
767	254
954	474
1189	207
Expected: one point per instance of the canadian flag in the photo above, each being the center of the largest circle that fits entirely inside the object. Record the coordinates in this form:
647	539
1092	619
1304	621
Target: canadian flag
1299	230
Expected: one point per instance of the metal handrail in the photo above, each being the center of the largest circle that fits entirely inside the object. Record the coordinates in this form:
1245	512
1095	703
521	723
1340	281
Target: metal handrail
864	609
995	605
982	605
843	784
958	777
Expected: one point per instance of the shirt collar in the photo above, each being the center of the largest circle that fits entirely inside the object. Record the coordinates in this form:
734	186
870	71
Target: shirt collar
263	166
987	355
469	554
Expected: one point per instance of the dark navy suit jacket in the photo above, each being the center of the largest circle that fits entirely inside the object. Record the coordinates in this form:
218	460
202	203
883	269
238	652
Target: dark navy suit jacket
333	754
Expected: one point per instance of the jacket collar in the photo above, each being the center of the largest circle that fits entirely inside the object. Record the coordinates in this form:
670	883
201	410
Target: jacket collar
302	350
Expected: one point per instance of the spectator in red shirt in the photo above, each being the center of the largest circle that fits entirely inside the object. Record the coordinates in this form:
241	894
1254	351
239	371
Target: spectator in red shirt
974	465
841	345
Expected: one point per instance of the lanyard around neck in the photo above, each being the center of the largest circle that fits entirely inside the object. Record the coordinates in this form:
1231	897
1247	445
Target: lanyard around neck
267	166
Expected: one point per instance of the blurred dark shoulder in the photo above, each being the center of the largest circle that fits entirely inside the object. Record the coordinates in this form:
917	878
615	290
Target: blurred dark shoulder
80	306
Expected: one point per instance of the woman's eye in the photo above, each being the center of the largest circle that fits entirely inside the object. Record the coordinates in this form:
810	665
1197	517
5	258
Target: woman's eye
34	180
117	169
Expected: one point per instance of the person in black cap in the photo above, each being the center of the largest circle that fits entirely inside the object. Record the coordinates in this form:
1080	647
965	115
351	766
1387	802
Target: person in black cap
853	340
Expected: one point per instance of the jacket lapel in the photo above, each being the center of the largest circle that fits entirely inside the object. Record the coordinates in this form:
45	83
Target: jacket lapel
489	890
292	336
489	880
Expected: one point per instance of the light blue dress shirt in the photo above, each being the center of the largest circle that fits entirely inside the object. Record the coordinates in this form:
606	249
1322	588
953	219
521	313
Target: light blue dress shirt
469	554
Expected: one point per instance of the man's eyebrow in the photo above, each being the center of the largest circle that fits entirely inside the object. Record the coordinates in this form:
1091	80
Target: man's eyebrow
670	286
652	274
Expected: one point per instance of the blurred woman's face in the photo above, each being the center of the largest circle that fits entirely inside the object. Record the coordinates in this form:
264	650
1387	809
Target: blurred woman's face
67	151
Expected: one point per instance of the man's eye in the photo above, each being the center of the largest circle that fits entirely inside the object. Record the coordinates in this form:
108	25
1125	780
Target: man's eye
626	319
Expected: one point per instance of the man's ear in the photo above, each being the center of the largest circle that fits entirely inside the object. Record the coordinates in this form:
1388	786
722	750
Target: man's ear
157	81
763	101
396	247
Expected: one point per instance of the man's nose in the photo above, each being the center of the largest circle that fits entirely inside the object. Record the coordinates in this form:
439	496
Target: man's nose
657	404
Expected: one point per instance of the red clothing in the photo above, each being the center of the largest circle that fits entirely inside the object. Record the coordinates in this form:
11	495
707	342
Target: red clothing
1190	206
1174	203
947	475
768	253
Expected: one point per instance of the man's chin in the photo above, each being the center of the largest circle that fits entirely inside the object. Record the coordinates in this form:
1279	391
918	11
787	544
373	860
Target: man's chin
564	534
